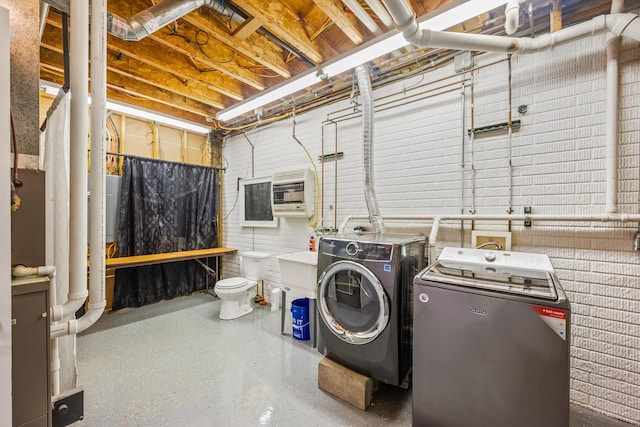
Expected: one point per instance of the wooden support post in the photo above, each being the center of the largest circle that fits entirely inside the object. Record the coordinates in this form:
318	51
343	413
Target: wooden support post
556	17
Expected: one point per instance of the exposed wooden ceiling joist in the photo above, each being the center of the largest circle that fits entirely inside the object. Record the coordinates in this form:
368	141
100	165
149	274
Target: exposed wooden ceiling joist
283	23
216	56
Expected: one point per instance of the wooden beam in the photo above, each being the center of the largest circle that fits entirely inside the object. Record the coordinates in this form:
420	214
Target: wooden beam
254	46
334	9
137	70
213	56
189	41
283	23
146	51
555	17
142	72
53	61
248	27
113	95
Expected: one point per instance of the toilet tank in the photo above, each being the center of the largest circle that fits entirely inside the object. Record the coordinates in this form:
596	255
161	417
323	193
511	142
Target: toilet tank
255	265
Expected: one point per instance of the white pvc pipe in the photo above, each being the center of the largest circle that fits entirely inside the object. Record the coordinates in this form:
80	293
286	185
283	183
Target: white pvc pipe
605	217
44	12
611	167
79	130
512	16
79	83
613	95
363	16
97	300
617	6
621	24
381	12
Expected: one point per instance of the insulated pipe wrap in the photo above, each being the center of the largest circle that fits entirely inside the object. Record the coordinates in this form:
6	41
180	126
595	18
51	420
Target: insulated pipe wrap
364	84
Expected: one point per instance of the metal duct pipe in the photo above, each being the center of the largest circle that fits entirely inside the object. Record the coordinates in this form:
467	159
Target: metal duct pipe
150	20
364	84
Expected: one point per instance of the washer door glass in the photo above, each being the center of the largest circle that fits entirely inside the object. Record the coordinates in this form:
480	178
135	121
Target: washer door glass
352	302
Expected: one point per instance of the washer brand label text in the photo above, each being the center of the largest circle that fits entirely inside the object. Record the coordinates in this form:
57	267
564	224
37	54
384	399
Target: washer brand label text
479	311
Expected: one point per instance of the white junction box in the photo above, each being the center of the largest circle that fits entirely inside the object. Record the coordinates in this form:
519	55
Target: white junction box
494	240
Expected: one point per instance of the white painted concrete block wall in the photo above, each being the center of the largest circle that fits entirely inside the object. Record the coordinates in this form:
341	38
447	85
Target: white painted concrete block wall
558	168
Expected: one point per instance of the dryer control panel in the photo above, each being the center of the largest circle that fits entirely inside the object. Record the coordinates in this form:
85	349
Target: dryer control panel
366	251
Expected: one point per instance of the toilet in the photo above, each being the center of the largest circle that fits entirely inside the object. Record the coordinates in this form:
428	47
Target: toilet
237	293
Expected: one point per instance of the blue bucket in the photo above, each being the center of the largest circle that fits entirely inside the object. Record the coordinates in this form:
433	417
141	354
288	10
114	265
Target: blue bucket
300	318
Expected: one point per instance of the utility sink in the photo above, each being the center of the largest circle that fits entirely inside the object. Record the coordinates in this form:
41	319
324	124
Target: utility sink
298	270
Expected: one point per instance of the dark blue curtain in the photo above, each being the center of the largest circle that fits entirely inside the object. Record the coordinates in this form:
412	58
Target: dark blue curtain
164	207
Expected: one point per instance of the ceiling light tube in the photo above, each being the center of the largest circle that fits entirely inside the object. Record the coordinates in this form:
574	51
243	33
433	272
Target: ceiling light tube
156	117
140	113
379	47
276	93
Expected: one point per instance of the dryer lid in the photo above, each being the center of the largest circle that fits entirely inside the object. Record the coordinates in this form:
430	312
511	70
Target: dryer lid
232	283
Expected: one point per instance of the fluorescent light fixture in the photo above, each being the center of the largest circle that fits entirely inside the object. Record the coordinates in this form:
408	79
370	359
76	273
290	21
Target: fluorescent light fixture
442	21
276	93
461	13
140	113
367	52
156	117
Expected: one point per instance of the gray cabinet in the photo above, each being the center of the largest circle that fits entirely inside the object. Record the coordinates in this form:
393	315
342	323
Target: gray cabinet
30	352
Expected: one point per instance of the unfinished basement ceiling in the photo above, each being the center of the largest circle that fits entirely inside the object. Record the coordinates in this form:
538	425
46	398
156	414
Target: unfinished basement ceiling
220	54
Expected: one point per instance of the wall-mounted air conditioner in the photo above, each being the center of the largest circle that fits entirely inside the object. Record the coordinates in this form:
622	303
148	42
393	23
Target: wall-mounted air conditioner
293	193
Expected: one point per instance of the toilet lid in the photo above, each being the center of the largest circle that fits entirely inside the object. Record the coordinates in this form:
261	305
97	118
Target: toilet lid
231	283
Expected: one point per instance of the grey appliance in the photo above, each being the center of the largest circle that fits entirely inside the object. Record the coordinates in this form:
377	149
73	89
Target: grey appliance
491	341
364	298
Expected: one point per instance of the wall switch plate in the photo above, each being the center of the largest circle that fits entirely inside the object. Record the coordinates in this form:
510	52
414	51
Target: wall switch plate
492	240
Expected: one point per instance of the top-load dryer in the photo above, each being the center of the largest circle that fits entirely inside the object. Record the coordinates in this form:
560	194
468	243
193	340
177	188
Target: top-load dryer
364	302
491	341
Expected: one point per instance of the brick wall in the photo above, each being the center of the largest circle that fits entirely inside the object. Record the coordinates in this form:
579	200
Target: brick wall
425	164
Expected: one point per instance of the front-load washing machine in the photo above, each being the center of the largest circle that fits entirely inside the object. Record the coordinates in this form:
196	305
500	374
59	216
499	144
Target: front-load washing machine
364	302
490	341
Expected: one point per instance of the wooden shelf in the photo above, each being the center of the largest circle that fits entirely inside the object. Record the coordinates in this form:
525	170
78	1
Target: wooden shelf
138	260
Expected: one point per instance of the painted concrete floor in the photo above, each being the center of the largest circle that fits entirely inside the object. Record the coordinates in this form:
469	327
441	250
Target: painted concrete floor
175	363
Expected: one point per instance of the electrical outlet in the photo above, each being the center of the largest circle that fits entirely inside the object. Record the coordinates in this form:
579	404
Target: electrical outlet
493	240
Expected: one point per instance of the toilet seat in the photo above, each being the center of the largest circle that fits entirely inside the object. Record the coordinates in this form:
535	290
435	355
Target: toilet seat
232	283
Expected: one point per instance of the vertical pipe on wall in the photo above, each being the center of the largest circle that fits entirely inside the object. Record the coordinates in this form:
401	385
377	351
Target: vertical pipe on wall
612	138
472	159
462	101
335	185
510	134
